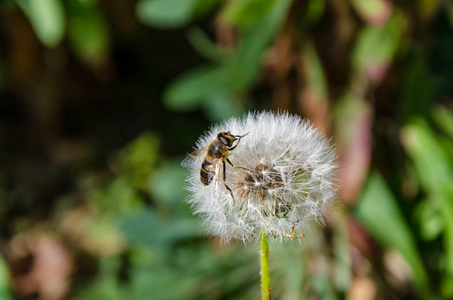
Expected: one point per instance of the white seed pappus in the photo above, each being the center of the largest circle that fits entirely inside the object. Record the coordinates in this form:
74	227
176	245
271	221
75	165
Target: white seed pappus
283	177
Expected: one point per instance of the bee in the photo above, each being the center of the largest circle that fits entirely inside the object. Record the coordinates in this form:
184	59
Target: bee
215	155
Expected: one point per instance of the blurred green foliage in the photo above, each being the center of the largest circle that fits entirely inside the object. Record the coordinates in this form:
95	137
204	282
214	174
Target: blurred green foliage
378	211
88	30
4	281
214	86
432	163
47	18
101	100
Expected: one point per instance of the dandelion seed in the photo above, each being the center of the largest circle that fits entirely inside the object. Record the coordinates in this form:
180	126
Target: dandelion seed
282	178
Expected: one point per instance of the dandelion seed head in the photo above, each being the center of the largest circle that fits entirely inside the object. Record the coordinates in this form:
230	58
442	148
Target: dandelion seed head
283	176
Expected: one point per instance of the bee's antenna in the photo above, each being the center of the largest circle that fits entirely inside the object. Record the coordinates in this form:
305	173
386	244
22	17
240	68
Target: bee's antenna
241	136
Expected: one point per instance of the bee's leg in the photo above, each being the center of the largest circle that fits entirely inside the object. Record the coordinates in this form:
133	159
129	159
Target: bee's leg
291	236
243	168
224	180
234	146
228	160
239	139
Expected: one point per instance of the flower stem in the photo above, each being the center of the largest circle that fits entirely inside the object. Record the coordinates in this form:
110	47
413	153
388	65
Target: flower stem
265	271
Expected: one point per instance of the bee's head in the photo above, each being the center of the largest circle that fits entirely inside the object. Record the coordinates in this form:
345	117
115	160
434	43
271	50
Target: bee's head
226	138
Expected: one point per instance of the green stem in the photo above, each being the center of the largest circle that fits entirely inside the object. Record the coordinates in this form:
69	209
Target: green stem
265	271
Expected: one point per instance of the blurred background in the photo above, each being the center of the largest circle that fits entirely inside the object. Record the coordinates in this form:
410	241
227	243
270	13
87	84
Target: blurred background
101	99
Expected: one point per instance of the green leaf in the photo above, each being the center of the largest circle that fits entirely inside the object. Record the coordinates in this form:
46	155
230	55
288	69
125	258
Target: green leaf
202	85
138	159
417	89
430	158
148	228
245	62
222	106
315	11
189	91
163	187
376	46
106	285
47	19
316	79
204	46
373	11
432	165
430	219
245	13
119	196
203	7
342	248
444	119
378	211
4	281
88	32
165	13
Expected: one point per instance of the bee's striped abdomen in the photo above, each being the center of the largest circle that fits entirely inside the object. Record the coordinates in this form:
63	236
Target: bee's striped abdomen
207	172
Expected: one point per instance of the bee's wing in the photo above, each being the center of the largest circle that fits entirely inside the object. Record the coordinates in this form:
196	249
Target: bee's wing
217	177
192	157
